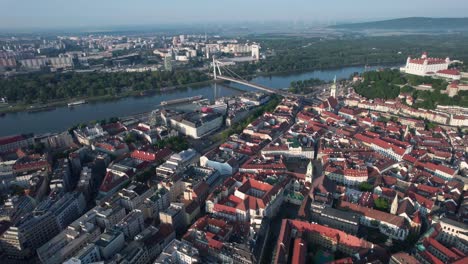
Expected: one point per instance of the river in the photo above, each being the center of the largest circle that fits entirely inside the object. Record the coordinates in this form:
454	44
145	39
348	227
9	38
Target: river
61	118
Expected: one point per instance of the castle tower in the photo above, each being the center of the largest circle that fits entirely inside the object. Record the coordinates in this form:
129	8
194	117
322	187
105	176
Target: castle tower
333	88
310	172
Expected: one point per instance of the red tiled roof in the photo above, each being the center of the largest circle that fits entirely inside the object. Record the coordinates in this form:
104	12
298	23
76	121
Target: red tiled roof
143	155
111	180
449	72
300	251
340	237
381	143
433	167
461	261
375	214
347	111
33	165
355	172
428	189
458	252
429	61
447	252
409	158
431	258
347	260
11	139
423	201
224	209
417	217
389	181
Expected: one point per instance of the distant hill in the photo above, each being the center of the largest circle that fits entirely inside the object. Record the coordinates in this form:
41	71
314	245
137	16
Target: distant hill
411	23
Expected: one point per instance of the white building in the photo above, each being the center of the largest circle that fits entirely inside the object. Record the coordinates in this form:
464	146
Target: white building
88	135
449	74
178	252
256	51
177	162
425	66
197	125
89	254
225	162
348	177
453	233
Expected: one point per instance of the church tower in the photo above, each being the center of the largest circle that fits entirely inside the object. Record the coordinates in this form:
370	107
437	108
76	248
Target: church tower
310	172
333	88
394	205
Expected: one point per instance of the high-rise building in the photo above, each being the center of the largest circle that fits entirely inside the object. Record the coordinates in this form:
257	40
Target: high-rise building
86	183
62	173
175	216
132	224
70	241
21	240
168	62
256	51
68	208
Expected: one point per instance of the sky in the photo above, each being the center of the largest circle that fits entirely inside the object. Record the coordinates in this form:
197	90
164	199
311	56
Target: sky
94	13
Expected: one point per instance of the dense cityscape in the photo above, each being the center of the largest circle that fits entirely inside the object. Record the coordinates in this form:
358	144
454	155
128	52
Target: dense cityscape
366	167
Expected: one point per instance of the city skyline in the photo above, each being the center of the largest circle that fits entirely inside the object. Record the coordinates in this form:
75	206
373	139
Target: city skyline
239	132
53	14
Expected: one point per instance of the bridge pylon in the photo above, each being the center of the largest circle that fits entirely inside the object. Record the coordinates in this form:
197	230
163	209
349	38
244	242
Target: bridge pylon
216	66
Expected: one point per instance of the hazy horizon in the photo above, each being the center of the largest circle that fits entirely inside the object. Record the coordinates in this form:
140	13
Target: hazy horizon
59	14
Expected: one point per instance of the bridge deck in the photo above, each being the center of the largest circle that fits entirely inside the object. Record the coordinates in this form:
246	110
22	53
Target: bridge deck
253	85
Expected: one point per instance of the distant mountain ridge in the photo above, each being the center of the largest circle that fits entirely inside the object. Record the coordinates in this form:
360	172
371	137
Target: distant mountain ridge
411	23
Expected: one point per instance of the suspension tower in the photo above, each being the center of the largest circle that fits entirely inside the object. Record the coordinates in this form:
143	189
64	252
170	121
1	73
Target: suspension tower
216	66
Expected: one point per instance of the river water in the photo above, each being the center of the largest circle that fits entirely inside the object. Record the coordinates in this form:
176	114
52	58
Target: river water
62	118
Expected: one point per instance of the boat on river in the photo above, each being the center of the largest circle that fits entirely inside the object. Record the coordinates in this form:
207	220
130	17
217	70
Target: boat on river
80	102
182	100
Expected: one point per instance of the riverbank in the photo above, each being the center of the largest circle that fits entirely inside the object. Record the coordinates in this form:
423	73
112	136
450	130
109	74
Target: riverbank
63	117
60	103
279	73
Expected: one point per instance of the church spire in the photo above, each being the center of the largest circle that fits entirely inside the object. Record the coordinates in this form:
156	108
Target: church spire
333	88
310	172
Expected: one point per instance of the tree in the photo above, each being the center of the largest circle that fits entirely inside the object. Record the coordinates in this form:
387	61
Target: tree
176	144
429	125
365	187
113	120
382	119
130	138
381	204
